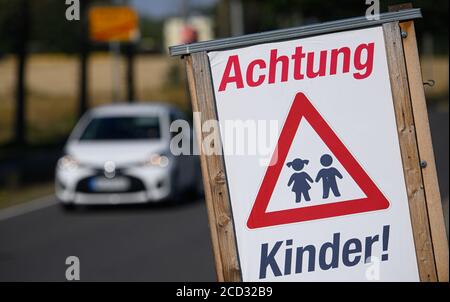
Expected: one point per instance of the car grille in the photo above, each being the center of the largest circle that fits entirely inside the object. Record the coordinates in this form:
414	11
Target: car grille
136	185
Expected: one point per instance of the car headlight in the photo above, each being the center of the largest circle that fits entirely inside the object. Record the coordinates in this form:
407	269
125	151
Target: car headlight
157	160
68	162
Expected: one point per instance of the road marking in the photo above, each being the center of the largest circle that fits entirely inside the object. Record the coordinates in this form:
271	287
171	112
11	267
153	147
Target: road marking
28	207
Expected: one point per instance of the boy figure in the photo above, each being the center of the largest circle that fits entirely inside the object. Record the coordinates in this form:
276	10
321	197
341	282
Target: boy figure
328	176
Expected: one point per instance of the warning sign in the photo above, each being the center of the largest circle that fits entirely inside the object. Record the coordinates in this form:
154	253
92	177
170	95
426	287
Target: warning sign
301	181
330	204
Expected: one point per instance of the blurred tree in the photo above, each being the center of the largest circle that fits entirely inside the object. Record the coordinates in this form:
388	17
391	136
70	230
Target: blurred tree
51	32
152	34
263	15
20	48
84	54
9	25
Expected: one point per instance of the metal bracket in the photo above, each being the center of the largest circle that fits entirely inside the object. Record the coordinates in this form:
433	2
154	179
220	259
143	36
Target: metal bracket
430	83
296	32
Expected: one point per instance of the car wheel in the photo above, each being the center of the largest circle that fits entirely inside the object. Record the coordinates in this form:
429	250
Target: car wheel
199	189
68	206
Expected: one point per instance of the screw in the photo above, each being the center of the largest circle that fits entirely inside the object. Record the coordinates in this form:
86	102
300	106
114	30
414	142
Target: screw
423	163
404	34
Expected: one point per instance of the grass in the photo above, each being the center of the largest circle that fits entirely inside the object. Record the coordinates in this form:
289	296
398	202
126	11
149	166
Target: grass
50	119
52	82
14	196
52	99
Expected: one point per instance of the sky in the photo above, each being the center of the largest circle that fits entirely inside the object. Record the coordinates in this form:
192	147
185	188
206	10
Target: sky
162	8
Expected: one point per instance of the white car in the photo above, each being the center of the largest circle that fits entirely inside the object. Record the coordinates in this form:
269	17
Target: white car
121	154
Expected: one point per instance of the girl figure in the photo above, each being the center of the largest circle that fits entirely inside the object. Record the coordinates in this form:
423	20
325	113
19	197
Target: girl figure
300	180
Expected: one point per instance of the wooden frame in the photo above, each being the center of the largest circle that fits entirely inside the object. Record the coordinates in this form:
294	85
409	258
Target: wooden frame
415	144
213	171
426	153
408	146
425	147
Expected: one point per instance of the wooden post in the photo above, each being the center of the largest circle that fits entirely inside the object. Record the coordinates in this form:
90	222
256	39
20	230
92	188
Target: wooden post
425	146
22	54
130	71
409	151
213	170
83	102
426	154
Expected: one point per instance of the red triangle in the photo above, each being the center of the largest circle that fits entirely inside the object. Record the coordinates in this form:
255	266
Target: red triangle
374	200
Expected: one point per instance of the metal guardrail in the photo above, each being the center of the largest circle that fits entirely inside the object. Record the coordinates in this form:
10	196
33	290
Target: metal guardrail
296	32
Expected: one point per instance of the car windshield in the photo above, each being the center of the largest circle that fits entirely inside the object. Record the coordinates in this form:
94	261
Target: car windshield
122	128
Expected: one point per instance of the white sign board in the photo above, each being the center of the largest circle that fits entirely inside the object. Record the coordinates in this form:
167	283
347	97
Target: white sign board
327	201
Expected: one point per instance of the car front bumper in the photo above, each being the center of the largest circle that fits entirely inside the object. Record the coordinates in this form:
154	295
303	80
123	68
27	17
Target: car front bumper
150	184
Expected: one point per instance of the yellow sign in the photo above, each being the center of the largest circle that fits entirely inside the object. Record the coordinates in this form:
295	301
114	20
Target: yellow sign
113	23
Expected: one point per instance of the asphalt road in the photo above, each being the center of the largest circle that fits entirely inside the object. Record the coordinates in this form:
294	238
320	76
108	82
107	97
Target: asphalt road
131	243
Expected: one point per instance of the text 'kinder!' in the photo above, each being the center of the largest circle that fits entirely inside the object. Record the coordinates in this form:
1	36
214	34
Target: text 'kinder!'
300	65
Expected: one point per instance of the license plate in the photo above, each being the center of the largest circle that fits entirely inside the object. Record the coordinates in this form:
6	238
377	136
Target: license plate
109	185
